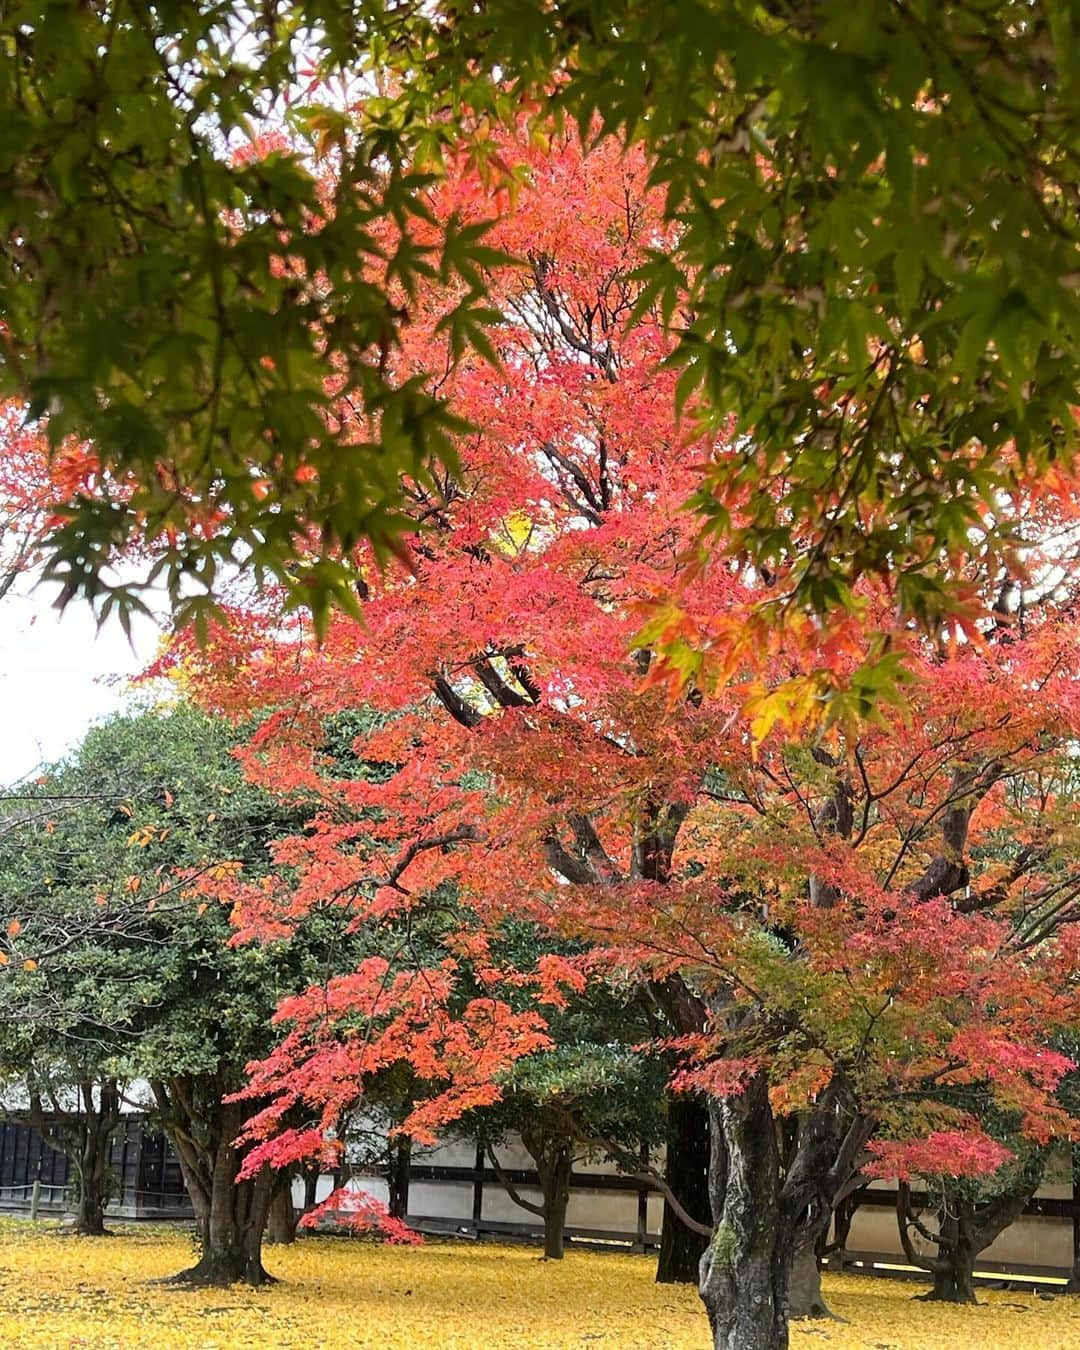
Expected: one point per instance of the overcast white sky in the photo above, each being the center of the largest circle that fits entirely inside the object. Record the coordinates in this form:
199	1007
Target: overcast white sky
58	675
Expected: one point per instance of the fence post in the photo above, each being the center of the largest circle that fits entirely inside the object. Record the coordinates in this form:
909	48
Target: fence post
35	1198
478	1188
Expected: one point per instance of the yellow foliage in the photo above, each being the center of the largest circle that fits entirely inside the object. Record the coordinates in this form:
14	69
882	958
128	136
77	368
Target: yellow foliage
61	1293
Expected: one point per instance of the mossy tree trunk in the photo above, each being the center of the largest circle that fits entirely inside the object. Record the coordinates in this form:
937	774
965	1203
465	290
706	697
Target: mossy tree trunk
770	1206
746	1266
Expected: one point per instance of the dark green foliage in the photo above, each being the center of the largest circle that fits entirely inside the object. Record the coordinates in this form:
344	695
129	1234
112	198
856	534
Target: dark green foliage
874	274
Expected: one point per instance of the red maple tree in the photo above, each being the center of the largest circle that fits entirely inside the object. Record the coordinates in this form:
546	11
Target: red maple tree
837	925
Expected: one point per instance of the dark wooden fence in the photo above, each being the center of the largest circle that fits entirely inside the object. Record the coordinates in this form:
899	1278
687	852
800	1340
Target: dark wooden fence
147	1180
482	1179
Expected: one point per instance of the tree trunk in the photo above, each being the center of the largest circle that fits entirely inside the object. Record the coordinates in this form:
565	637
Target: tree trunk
954	1267
311	1188
835	1252
745	1271
85	1138
555	1185
686	1170
230	1216
967	1228
805	1298
281	1224
953	1282
90	1211
99	1119
398	1176
233	1234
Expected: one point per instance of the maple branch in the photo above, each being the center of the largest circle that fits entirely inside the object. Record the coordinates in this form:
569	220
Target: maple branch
460	834
649	1176
851	1146
905	1220
653	850
590	508
460	709
497	687
653	1178
947	871
835	816
975	903
593	851
575	870
606	361
1040	926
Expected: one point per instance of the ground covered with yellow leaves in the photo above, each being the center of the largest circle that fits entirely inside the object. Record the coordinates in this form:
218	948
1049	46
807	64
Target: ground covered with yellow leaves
63	1292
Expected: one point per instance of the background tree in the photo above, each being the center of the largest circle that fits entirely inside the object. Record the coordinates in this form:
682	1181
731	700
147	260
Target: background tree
590	1096
970	1215
81	961
126	962
568	1105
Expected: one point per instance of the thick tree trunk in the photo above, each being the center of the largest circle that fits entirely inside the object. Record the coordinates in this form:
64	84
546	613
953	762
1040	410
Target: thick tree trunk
230	1216
398	1176
746	1268
555	1185
233	1234
686	1171
281	1224
954	1267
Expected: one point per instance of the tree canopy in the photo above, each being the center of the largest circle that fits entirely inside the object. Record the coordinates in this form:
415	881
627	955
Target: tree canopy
870	275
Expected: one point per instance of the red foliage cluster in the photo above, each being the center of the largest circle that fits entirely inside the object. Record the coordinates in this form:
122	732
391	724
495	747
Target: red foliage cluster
351	1211
950	1153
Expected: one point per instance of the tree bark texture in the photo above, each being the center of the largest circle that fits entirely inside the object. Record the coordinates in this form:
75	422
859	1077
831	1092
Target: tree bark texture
281	1223
230	1216
746	1266
805	1298
686	1171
